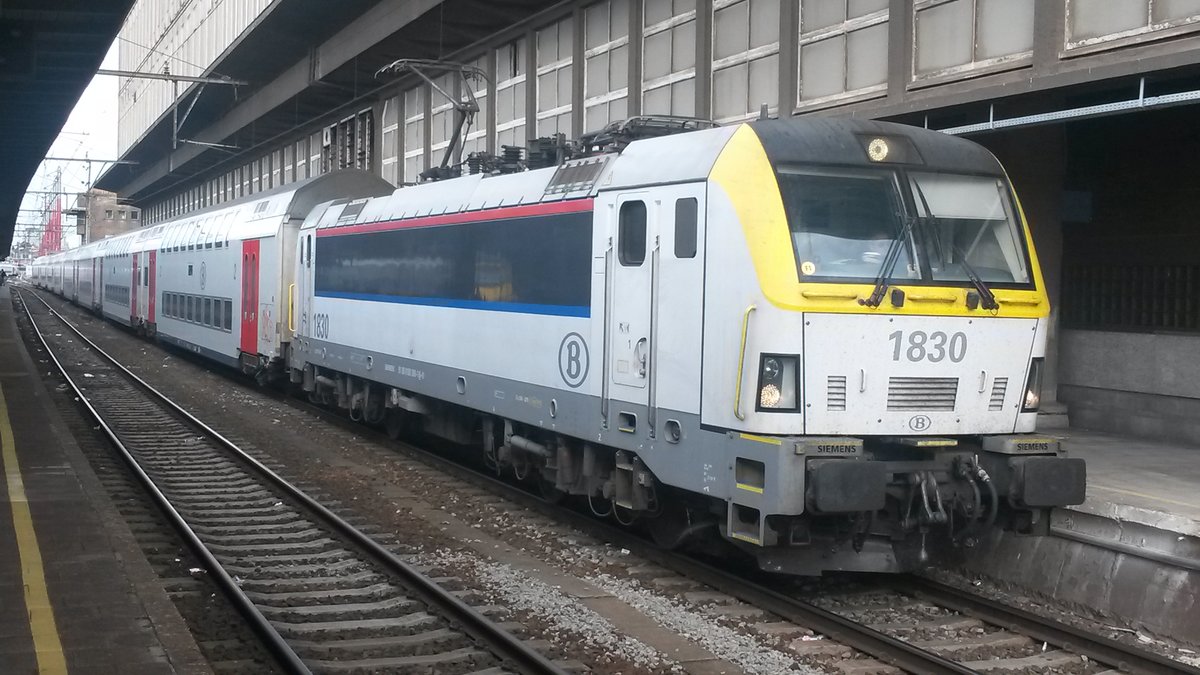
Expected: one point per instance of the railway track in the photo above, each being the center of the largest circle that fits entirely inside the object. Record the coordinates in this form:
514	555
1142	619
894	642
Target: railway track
920	642
323	596
911	643
917	644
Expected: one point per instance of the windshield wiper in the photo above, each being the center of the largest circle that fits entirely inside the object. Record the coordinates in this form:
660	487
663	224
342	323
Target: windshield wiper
987	299
889	263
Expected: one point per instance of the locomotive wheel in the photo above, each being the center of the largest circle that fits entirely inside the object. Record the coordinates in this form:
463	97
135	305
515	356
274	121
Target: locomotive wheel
550	493
397	423
674	526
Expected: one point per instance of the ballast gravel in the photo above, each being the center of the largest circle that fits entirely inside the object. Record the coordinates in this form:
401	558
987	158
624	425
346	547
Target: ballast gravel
750	654
562	614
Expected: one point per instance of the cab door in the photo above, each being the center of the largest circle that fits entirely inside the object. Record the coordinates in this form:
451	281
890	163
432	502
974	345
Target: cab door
304	280
249	338
630	353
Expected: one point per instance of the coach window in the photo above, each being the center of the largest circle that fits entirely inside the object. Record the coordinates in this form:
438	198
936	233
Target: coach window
685	227
632	234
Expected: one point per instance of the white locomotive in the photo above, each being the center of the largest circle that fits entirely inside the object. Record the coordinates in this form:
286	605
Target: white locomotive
817	339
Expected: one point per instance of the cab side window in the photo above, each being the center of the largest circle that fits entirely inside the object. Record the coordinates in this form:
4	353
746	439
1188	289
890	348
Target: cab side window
631	234
686	215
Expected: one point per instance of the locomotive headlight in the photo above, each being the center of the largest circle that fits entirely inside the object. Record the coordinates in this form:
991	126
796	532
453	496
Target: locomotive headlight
777	383
1033	386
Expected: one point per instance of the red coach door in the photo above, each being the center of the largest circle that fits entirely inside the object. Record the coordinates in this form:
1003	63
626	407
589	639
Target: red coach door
151	286
250	297
133	291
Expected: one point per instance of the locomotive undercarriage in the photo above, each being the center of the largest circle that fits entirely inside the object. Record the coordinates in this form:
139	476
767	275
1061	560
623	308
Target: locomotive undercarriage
887	505
927	505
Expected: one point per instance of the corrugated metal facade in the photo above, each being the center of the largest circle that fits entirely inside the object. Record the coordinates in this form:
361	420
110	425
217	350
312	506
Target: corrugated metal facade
183	37
602	61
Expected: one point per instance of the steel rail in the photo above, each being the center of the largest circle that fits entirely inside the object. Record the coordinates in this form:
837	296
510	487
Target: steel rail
1070	638
502	643
274	642
876	644
1103	650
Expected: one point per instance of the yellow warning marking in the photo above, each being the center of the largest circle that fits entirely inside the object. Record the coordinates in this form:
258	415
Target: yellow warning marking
762	439
750	488
746	538
1134	493
50	657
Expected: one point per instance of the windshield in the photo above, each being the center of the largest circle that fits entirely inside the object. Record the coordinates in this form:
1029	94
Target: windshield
842	223
968	218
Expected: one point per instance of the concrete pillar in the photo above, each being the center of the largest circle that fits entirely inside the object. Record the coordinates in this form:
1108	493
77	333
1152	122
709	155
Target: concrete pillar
1036	159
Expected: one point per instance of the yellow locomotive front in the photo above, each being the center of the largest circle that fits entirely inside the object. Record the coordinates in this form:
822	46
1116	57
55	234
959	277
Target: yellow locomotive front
889	333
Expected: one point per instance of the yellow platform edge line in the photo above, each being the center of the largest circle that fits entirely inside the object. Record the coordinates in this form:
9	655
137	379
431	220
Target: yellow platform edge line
50	657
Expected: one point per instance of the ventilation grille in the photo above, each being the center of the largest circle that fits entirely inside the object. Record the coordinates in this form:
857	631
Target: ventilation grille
999	388
835	393
576	175
922	393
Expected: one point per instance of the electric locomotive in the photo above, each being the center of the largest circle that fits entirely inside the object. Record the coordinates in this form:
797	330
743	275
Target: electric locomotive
819	341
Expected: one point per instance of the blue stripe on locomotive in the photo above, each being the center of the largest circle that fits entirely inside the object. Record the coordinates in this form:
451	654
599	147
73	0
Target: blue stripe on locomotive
581	311
538	264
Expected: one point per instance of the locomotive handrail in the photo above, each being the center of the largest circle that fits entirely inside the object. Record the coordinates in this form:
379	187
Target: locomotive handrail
1018	301
932	298
737	399
652	351
830	295
292	307
608	275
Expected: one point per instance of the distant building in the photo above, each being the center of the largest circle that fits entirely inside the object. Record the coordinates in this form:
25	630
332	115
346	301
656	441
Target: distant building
99	215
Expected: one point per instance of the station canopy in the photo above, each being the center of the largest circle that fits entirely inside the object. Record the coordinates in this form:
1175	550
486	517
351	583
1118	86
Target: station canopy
49	52
304	62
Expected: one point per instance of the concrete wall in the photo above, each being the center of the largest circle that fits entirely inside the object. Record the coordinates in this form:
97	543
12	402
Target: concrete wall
1104	584
1145	384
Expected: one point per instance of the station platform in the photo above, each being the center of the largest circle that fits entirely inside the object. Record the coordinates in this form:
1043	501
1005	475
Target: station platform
1130	554
1135	480
76	593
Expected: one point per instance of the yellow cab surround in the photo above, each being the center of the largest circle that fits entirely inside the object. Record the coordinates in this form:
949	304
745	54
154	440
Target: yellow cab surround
745	172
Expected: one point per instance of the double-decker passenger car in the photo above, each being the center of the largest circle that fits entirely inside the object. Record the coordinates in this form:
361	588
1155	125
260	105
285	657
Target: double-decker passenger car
819	340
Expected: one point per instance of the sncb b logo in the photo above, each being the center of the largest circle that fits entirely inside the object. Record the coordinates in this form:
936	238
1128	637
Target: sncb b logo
573	361
919	423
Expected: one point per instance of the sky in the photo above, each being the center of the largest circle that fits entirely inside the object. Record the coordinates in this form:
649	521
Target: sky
91	131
